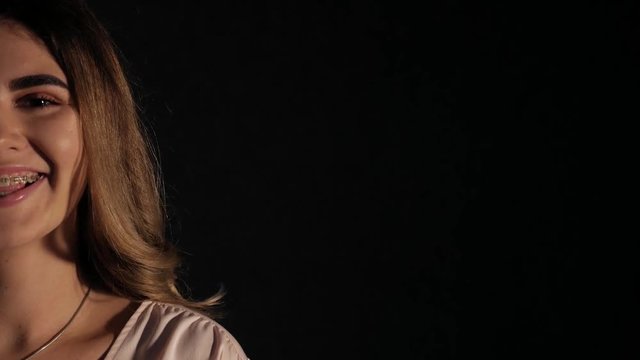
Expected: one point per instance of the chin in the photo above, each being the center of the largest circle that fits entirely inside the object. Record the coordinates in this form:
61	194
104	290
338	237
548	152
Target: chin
15	233
13	241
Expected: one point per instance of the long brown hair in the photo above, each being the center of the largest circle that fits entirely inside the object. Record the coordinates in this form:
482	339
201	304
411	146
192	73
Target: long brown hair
122	247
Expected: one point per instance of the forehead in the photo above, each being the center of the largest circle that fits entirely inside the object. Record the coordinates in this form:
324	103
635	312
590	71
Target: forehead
22	54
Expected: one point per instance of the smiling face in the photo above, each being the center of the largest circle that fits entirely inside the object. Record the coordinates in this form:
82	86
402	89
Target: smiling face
41	172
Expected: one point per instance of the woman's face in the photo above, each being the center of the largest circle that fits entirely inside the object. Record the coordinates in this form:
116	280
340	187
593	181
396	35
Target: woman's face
41	177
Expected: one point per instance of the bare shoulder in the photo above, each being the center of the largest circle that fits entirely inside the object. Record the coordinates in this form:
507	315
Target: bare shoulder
168	331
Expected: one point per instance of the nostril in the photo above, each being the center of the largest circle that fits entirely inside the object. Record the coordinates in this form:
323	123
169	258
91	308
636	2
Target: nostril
11	142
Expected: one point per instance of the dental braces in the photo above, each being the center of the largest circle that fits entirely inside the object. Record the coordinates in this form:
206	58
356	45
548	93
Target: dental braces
6	180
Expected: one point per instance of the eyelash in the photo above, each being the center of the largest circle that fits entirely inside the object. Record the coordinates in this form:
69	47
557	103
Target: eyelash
37	102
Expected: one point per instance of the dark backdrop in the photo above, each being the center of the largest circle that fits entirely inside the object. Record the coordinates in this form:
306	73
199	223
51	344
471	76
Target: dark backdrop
378	180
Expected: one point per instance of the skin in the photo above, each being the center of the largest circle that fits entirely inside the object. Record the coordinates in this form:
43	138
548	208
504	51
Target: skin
39	285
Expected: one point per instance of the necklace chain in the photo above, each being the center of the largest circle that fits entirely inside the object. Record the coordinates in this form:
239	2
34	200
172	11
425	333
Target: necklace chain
60	332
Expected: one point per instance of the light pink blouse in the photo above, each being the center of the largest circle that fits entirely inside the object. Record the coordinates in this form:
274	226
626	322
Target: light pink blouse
167	332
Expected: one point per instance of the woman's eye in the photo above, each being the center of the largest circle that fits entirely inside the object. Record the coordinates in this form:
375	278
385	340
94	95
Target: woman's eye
36	102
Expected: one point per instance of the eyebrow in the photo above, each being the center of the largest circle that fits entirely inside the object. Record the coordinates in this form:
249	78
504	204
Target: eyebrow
36	80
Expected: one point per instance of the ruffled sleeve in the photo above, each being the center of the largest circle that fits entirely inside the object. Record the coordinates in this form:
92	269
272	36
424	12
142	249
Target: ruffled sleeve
167	332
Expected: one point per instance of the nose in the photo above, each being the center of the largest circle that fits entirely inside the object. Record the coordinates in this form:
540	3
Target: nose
11	137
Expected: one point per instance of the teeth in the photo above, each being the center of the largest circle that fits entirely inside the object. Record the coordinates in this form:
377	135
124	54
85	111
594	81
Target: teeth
6	180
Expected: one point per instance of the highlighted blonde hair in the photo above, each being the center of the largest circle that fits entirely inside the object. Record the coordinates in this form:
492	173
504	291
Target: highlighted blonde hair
122	248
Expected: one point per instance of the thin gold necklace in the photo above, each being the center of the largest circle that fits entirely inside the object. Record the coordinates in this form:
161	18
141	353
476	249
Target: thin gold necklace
59	333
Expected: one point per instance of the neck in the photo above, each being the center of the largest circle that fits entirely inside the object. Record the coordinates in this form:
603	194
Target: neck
39	290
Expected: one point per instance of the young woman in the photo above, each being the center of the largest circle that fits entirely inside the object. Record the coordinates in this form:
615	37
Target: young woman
85	271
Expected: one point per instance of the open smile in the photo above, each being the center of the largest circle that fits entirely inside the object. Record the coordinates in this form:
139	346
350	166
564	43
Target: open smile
16	187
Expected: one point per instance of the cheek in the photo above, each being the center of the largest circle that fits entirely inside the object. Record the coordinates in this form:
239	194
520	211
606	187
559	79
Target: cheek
59	141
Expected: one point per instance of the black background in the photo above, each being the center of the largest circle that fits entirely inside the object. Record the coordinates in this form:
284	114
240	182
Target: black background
378	180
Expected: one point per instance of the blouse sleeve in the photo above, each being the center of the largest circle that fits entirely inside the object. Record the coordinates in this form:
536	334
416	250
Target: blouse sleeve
225	346
170	332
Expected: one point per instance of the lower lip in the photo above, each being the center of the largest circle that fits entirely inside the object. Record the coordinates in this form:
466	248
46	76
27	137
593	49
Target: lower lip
20	195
